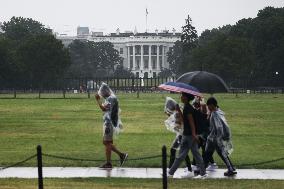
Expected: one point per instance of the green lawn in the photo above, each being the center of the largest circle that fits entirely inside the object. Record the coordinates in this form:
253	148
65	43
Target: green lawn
109	183
73	128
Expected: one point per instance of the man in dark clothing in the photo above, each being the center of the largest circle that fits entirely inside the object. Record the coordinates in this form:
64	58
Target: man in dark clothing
189	137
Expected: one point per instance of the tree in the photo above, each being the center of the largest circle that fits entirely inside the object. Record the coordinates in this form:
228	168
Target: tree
189	35
179	56
31	53
90	59
44	58
175	58
19	28
121	72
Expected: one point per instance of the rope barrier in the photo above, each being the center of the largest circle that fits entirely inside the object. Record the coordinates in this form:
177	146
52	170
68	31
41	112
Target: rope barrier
130	159
19	163
260	163
97	160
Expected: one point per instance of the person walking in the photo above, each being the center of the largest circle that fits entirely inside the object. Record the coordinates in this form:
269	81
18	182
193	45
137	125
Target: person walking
219	138
112	124
175	125
189	138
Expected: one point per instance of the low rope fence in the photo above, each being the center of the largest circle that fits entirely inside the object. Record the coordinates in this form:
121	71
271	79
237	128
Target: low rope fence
163	157
130	159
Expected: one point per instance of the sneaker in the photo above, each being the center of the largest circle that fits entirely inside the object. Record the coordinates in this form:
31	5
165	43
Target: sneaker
230	173
212	167
204	176
187	174
123	158
106	166
194	167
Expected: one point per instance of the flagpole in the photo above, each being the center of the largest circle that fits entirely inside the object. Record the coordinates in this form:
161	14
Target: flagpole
146	20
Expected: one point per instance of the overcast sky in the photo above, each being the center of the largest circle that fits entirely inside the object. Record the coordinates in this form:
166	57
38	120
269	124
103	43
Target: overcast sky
107	15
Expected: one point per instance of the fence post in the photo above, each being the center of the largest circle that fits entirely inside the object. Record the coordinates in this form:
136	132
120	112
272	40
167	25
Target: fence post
164	167
64	93
89	93
39	165
39	93
15	94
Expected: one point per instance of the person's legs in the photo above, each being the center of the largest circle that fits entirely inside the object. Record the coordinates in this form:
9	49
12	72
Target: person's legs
172	157
175	145
198	158
209	150
188	163
225	158
114	149
108	150
184	148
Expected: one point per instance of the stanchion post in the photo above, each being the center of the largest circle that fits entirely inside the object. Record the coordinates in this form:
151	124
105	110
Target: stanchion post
164	167
39	165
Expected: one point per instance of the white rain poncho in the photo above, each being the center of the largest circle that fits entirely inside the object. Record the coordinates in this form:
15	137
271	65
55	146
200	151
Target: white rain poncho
111	115
173	123
220	131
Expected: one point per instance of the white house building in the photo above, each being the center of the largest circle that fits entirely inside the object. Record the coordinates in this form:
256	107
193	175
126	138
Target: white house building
145	54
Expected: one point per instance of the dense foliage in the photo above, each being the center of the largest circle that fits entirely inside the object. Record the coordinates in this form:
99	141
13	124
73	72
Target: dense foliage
249	53
30	56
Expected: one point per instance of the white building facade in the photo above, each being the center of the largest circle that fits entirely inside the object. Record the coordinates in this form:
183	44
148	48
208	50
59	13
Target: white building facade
144	54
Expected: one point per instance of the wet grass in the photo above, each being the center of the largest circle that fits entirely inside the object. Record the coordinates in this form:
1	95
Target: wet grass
73	128
108	183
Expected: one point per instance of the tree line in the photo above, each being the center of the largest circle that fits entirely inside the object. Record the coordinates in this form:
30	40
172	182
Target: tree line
32	57
247	54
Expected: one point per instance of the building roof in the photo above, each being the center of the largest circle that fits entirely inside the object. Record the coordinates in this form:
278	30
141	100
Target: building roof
165	34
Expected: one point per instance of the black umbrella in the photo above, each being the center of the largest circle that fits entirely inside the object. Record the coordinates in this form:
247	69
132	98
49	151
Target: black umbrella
206	82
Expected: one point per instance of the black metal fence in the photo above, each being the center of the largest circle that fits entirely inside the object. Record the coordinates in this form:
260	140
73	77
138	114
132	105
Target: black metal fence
83	87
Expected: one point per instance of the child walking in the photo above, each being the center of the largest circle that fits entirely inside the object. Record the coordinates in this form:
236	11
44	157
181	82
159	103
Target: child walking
219	138
174	124
111	125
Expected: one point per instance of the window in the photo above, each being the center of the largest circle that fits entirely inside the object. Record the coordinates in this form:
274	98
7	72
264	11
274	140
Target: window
137	74
121	51
131	62
160	50
146	49
137	50
161	63
154	50
137	64
146	64
131	50
154	66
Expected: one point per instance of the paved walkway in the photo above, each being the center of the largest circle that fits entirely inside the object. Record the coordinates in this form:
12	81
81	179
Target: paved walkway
72	172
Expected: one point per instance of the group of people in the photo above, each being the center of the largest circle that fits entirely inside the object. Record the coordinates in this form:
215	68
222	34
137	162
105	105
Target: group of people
197	125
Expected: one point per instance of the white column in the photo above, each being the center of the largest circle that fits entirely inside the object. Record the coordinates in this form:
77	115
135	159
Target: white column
158	58
134	62
128	57
142	62
163	56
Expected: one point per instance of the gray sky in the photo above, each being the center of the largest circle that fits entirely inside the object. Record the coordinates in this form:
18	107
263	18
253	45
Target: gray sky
107	15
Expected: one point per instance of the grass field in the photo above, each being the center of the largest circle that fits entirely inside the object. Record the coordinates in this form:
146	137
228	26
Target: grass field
111	183
73	128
